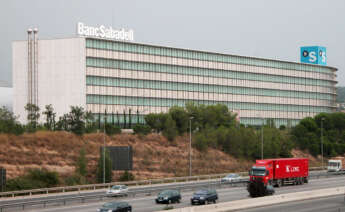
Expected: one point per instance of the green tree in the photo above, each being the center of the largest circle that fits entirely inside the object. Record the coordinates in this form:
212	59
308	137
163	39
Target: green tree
63	123
156	121
180	116
108	168
81	168
170	131
50	117
76	120
214	116
32	117
195	112
9	123
90	122
200	141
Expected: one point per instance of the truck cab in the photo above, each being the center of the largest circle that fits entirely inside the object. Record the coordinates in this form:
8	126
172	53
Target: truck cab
334	165
262	171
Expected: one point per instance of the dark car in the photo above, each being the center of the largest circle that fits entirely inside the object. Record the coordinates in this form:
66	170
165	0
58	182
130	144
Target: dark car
204	196
168	196
115	207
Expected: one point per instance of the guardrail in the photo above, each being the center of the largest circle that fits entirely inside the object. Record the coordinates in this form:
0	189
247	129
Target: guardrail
144	191
108	185
62	201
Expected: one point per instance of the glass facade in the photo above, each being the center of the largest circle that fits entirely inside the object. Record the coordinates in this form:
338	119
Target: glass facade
129	78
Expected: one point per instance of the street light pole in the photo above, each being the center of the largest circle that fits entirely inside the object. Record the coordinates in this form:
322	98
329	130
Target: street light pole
104	148
190	146
262	138
322	142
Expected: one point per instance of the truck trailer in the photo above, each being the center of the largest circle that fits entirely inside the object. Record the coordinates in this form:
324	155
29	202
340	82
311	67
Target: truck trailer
277	172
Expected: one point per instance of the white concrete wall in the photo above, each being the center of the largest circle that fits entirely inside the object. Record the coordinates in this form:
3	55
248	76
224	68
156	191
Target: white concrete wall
61	75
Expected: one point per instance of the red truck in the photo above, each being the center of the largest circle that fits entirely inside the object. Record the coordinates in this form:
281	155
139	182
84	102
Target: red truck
277	172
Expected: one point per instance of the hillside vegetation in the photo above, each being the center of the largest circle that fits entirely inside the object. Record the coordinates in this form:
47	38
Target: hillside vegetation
71	148
154	155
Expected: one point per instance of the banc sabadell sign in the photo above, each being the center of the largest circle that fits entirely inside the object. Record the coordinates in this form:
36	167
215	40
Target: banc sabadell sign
105	32
314	55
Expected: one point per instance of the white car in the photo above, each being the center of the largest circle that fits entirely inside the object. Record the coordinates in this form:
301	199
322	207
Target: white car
230	178
117	190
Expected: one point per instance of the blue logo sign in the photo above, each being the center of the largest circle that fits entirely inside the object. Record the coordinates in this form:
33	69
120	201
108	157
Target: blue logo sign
314	55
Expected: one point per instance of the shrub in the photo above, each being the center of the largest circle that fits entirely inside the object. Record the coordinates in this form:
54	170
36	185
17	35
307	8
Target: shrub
9	123
127	176
75	179
112	129
142	129
72	180
35	178
170	131
282	127
200	142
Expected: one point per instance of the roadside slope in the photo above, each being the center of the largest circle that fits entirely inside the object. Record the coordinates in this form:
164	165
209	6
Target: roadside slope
154	156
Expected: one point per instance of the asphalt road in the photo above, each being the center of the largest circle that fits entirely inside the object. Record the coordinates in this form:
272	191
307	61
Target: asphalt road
328	204
147	204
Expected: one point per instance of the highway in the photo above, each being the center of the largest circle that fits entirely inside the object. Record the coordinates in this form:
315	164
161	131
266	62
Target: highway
146	203
327	204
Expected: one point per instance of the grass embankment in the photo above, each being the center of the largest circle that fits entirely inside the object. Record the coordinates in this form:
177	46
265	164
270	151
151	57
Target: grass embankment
154	156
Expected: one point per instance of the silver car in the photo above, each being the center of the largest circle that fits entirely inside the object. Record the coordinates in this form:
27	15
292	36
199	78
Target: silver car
230	178
117	190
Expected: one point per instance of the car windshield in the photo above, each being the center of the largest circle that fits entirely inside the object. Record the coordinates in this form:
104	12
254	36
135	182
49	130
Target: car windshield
163	193
258	171
201	192
333	164
232	175
116	187
110	205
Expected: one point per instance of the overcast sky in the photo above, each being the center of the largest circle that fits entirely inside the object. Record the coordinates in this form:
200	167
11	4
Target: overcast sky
260	28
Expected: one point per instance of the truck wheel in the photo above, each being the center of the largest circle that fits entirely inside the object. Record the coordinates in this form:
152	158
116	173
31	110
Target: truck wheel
279	184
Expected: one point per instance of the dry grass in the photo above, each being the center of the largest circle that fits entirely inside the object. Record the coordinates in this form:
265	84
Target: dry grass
154	156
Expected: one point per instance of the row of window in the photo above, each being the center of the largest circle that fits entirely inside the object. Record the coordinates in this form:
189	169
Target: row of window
126	119
277	122
173	69
165	102
120	118
190	54
180	86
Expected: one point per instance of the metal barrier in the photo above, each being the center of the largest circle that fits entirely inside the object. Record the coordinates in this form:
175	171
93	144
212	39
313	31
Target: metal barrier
108	185
146	191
